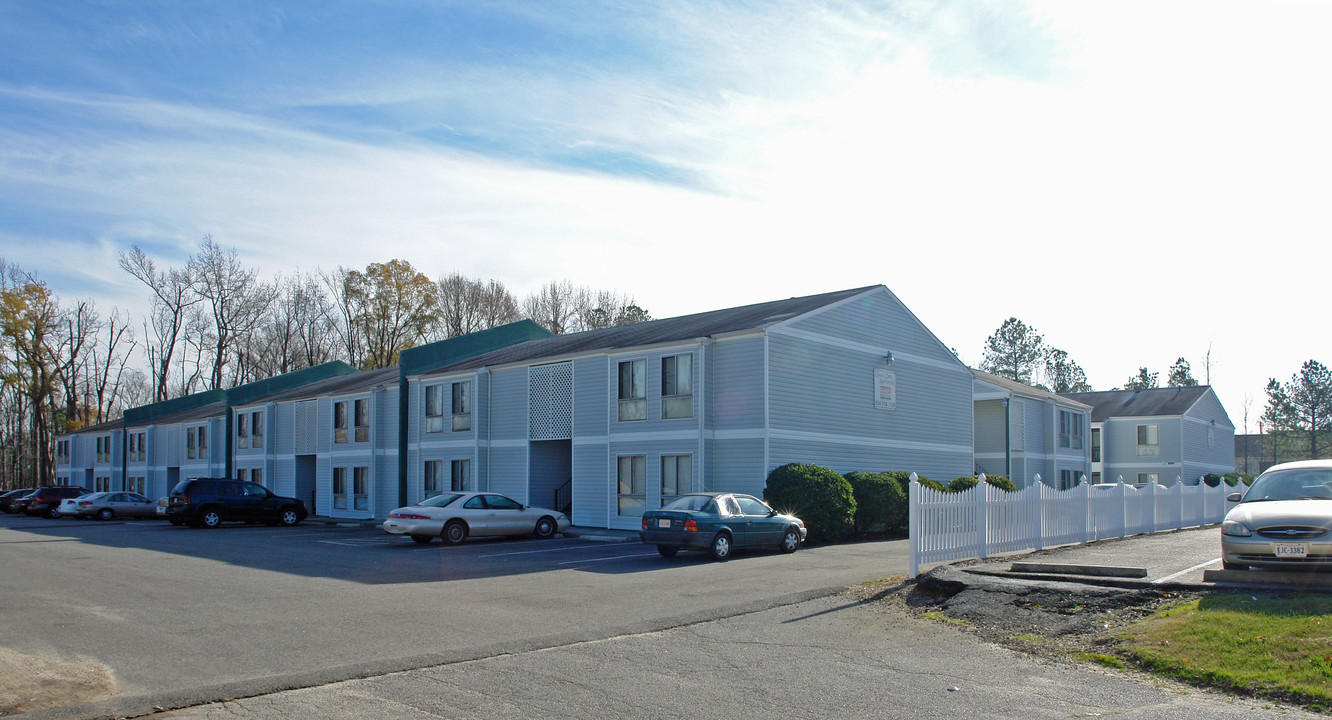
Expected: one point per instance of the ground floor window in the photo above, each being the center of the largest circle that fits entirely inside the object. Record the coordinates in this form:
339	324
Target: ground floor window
102	484
460	475
434	477
1145	478
1067	479
1096	478
360	491
339	488
677	475
632	482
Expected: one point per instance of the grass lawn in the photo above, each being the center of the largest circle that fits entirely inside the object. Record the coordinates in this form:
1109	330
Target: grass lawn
1272	645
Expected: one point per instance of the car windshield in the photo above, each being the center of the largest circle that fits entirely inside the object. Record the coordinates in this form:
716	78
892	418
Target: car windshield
688	502
440	500
1294	484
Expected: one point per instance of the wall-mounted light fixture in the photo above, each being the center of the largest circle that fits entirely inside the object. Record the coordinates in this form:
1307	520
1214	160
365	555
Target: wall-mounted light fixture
888	359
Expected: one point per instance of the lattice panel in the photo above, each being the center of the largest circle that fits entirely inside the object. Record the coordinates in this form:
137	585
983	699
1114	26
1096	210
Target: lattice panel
550	402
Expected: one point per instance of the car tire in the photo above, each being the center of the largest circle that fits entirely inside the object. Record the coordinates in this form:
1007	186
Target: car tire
1233	566
53	512
454	532
667	550
210	518
290	517
423	539
720	549
106	514
790	540
545	528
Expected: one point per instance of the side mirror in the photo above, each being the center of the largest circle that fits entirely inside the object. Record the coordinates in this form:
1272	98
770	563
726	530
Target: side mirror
772	513
1234	497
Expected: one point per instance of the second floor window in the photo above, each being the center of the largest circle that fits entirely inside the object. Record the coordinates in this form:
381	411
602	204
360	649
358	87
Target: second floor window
1096	445
361	412
633	390
191	443
434	409
677	386
340	422
256	429
462	406
203	442
243	430
1070	430
1149	441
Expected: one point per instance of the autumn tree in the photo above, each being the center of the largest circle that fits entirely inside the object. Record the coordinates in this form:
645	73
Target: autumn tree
396	305
1180	375
30	321
1302	406
1014	351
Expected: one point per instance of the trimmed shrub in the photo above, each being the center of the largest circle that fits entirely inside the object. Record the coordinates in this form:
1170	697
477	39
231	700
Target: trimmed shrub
819	496
932	484
1214	479
962	484
881	503
1001	482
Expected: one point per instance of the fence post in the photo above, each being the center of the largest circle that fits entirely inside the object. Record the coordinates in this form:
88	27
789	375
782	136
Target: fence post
1038	517
913	526
983	522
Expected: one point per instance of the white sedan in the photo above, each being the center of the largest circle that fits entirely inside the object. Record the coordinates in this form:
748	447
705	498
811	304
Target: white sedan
453	516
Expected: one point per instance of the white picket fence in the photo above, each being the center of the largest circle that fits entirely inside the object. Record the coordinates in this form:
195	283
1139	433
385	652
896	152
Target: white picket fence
985	519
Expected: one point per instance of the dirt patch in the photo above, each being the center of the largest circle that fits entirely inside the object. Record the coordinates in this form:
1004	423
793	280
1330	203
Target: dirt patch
29	683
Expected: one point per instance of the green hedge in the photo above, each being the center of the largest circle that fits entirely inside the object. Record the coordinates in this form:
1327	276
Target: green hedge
881	502
820	497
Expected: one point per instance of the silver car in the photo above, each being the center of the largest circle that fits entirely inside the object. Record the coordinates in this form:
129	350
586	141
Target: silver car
454	516
108	505
1283	521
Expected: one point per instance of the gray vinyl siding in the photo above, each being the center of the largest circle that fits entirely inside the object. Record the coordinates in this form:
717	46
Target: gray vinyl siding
508	471
878	318
829	390
1120	449
989	427
591	418
734	384
591	485
1200	458
508	405
735	464
654	422
652	451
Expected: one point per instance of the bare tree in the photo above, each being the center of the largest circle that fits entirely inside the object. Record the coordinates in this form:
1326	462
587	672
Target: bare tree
76	339
235	296
556	306
108	363
468	305
608	308
173	296
346	308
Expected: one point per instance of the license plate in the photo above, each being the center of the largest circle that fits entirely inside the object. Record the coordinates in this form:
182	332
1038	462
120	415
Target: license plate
161	510
1292	550
664	523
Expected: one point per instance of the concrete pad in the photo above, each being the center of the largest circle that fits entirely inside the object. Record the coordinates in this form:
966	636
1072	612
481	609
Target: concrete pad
1080	569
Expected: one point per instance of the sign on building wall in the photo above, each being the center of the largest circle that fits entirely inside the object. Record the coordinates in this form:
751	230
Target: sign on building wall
885	389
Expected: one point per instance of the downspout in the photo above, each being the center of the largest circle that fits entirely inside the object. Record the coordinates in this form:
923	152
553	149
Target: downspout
1008	435
228	448
402	436
702	394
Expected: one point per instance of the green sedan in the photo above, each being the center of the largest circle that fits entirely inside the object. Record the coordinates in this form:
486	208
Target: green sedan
720	523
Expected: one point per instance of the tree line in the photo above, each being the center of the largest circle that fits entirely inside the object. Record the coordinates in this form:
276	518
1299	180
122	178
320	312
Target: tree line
214	323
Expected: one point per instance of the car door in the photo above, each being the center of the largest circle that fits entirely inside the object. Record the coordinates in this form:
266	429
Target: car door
477	515
256	502
138	505
507	516
762	527
734	519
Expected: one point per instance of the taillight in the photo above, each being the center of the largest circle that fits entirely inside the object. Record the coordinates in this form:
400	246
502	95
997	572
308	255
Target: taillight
691	525
408	516
645	523
85	504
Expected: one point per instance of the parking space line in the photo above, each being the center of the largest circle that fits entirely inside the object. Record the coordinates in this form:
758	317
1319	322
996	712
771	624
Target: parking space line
616	557
546	550
1199	566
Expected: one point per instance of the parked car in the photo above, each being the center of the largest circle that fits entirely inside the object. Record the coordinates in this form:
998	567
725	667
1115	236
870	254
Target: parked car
456	515
720	523
208	502
108	505
1283	521
46	501
7	500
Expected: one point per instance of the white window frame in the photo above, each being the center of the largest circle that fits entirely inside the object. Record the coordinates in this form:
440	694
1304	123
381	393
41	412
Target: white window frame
340	422
670	468
432	477
360	488
242	431
191	443
1152	434
257	429
460	475
433	408
632	407
340	494
1147	478
631	491
677	388
361	419
460	404
1070	430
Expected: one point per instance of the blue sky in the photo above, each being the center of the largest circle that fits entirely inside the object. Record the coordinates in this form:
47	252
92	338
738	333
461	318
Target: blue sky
1131	178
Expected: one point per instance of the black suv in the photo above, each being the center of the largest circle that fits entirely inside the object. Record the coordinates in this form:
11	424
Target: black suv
46	501
207	502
